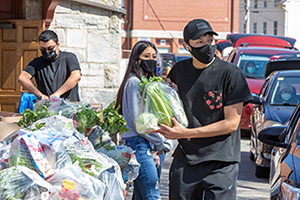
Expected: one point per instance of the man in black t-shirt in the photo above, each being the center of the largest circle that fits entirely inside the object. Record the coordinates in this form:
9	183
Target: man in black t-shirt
213	92
56	73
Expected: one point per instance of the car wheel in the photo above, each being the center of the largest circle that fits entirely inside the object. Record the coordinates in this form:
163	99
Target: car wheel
251	156
262	172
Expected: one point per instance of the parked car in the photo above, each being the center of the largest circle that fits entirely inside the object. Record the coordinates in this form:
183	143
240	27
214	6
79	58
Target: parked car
167	60
273	106
256	50
285	163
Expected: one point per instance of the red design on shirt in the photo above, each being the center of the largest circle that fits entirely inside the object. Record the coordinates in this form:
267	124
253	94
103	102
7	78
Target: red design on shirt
208	102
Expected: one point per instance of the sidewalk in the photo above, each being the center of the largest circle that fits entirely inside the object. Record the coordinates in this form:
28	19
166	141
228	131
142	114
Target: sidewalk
164	182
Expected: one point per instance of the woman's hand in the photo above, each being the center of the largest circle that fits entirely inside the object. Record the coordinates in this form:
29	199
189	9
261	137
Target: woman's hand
156	159
171	83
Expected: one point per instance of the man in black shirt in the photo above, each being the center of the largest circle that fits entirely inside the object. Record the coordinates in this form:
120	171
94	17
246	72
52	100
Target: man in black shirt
213	92
56	73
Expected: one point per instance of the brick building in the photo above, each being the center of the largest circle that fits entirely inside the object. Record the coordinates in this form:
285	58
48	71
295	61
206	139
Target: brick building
162	22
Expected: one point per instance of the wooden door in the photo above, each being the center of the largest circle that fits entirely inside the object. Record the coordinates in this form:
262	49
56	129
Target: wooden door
18	46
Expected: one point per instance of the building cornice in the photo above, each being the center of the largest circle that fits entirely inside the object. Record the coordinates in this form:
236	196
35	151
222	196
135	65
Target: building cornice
164	34
114	9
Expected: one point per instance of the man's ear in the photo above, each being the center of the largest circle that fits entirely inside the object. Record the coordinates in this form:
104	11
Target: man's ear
58	43
186	46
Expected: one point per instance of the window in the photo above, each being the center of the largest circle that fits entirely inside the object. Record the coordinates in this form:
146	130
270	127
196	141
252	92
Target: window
254	27
265	28
265	3
245	28
275	28
245	4
260	61
163	49
264	88
255	4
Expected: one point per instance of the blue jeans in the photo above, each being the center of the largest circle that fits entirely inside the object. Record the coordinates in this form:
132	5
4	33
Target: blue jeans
146	186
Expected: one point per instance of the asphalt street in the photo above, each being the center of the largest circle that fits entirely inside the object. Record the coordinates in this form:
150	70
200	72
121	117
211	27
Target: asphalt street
248	186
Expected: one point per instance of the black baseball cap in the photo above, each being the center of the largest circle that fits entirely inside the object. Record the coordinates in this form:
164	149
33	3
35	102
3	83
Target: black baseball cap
195	29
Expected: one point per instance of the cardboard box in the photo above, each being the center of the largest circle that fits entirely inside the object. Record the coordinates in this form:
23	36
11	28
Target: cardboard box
13	120
9	117
7	129
8	114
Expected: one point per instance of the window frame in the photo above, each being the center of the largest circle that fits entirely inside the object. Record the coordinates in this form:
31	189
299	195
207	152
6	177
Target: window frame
264	28
254	27
275	27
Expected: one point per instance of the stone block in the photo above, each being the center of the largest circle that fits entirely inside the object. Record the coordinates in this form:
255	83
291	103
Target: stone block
99	48
69	21
61	35
123	68
33	9
104	96
96	66
63	9
93	72
93	10
100	22
75	7
64	3
91	82
112	77
115	24
76	38
79	52
84	66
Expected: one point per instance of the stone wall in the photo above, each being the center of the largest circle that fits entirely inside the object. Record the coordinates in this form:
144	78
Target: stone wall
32	9
93	34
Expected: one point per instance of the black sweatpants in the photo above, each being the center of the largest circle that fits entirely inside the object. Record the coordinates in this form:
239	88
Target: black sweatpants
212	180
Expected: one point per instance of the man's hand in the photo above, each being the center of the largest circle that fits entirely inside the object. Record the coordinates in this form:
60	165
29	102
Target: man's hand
55	94
44	97
178	131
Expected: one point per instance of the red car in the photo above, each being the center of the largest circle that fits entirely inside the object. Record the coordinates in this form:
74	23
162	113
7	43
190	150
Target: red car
250	53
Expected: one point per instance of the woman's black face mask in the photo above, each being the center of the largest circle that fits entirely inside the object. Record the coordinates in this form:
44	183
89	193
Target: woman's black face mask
204	54
148	66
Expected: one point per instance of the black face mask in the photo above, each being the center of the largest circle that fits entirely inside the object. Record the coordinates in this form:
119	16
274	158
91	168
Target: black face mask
204	54
49	56
148	66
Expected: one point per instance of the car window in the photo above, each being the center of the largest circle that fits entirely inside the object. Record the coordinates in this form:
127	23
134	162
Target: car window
286	91
253	65
232	55
296	130
264	88
179	58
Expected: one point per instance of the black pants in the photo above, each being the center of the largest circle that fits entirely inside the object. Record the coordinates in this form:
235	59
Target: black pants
211	180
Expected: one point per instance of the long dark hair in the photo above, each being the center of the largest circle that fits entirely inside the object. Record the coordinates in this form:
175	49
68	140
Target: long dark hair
133	68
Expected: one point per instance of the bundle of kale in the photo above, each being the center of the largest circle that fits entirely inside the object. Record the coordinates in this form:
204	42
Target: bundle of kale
82	113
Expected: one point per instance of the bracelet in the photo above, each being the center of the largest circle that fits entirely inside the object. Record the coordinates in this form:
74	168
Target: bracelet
161	151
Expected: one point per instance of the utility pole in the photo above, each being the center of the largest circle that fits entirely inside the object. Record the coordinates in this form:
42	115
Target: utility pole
247	16
232	15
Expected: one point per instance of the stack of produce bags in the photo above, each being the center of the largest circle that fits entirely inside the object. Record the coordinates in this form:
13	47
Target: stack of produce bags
51	158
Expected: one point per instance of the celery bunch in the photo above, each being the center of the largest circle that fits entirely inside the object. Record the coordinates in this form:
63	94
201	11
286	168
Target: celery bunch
156	107
158	104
